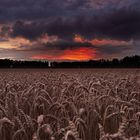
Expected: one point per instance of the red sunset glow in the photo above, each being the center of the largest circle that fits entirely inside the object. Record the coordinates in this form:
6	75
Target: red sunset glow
80	54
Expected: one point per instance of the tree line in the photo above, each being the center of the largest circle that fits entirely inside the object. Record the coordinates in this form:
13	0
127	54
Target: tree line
126	62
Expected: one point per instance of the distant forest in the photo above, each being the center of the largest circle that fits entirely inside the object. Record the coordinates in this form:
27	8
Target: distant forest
126	62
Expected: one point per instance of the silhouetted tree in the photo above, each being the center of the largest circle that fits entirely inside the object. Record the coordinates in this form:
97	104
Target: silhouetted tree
127	62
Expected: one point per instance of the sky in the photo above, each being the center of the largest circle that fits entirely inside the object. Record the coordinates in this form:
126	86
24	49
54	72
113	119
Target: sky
69	30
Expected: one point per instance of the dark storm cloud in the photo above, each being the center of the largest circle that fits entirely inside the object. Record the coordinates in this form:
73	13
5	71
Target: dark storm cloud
11	10
123	24
109	49
104	49
99	19
63	45
119	19
60	45
38	9
30	31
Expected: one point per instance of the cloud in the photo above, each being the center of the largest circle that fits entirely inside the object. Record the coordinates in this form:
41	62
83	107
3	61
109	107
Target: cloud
28	30
63	45
109	49
123	24
119	19
49	27
62	49
44	9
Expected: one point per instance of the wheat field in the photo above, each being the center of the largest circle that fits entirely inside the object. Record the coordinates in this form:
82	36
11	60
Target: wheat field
70	104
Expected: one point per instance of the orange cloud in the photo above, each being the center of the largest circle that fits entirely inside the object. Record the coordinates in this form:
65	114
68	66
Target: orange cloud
79	38
7	45
45	39
101	42
14	43
80	54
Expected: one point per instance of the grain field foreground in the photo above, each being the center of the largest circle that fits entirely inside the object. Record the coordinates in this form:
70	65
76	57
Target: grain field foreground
70	104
